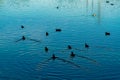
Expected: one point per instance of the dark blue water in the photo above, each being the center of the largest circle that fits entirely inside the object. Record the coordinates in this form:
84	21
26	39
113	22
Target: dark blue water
23	60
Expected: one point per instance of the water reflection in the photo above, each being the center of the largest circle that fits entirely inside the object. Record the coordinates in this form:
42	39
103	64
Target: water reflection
91	6
19	3
14	3
99	10
1	2
68	3
84	7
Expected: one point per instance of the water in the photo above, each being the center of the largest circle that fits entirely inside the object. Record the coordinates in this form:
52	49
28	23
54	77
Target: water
22	60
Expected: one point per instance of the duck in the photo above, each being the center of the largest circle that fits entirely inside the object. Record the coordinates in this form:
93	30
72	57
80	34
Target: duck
22	26
111	4
46	49
107	33
47	33
58	30
86	45
54	57
72	54
69	47
23	38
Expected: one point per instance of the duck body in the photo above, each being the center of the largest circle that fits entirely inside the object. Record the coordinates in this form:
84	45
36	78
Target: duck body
69	47
22	26
47	33
46	49
23	38
58	30
53	57
107	33
86	45
72	54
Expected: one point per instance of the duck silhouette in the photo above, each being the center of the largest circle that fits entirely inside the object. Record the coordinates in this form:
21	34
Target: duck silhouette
107	33
111	4
46	49
57	7
54	57
58	30
72	55
86	45
24	38
47	33
69	47
22	26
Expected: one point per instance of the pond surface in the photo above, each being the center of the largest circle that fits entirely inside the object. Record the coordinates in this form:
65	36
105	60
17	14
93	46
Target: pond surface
81	21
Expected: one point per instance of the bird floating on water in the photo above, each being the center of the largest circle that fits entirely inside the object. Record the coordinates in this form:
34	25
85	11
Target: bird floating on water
22	26
24	38
86	45
46	49
54	57
107	33
73	55
111	4
47	33
107	1
69	47
57	7
58	30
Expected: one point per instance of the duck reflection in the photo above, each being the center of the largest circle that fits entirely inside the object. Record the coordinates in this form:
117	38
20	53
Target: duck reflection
69	47
57	7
